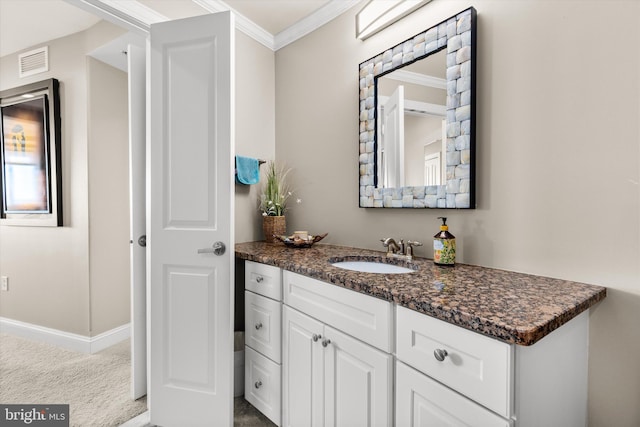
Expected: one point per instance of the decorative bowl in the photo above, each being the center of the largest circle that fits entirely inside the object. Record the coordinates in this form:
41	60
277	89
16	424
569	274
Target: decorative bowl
295	241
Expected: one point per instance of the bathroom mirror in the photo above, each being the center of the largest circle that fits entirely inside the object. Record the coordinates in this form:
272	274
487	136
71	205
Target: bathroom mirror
417	130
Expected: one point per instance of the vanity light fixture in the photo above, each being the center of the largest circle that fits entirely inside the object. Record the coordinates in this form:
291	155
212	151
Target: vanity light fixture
379	14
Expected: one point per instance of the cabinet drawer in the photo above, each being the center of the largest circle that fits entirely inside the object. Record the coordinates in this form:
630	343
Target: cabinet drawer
263	279
476	366
263	324
367	318
421	401
262	384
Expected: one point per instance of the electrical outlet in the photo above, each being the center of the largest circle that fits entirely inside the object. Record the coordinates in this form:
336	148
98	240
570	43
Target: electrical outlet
4	283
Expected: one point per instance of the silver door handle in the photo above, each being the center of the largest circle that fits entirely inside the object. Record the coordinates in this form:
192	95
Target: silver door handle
142	240
218	248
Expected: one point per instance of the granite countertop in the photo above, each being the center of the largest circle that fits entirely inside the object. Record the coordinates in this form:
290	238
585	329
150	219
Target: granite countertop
512	307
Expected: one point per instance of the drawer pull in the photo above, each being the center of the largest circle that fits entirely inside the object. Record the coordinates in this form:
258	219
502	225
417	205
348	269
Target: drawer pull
440	354
258	325
326	342
258	384
259	279
316	337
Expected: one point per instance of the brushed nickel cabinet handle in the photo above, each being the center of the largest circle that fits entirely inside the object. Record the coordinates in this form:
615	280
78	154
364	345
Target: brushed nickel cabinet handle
440	354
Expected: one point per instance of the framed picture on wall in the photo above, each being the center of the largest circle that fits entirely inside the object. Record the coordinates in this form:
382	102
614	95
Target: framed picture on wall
30	164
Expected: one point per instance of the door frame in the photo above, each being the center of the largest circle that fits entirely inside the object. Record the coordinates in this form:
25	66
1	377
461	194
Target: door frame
138	22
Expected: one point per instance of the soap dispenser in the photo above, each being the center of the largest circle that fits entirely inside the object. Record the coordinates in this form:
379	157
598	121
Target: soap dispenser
444	245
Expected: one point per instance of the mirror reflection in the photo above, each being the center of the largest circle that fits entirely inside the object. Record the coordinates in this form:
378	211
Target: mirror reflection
412	125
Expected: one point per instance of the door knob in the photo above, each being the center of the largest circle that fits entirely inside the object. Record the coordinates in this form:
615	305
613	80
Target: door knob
326	342
316	337
218	248
258	325
142	240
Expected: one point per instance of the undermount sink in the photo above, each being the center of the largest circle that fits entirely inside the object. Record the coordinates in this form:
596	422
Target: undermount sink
372	267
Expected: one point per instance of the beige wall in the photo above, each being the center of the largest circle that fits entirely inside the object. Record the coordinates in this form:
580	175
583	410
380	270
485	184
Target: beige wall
48	267
255	126
557	82
108	157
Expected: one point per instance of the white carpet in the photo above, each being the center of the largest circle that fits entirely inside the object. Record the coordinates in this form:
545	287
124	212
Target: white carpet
96	386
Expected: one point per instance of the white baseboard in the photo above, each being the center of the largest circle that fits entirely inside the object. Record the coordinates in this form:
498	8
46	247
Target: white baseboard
63	339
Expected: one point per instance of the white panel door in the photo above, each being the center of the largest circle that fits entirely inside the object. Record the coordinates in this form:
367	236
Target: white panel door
432	169
136	57
302	378
358	382
190	205
393	139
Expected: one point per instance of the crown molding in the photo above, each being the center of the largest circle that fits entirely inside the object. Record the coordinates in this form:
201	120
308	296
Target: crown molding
325	14
243	23
136	10
132	15
137	17
418	108
417	78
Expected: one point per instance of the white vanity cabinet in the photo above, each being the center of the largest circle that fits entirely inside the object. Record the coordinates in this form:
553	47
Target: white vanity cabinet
263	344
323	355
331	378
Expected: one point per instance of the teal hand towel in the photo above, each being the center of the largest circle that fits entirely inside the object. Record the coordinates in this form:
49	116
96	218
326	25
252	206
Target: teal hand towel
247	170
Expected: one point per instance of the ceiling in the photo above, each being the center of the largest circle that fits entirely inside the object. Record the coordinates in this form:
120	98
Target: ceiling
26	23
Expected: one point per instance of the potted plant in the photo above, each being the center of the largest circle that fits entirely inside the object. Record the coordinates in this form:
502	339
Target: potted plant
273	201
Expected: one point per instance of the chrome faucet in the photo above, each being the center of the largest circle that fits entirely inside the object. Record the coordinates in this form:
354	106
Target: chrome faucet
391	245
399	249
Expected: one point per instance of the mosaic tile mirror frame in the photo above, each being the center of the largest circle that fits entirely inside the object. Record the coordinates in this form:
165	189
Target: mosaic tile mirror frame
455	188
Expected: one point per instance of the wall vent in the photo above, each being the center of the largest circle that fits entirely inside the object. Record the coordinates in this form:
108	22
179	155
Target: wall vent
33	62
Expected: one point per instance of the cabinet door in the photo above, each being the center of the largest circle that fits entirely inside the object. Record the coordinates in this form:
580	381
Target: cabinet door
358	382
302	370
423	402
